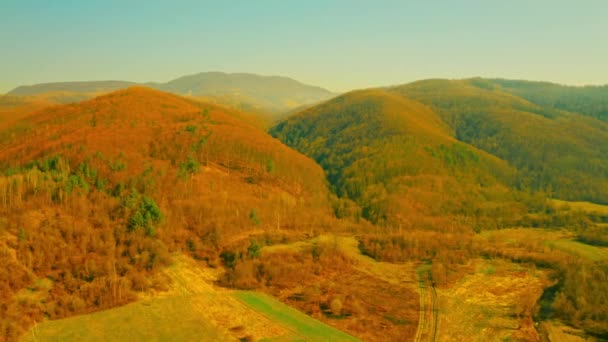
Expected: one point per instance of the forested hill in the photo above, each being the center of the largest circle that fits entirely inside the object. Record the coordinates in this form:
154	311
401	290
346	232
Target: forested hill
465	141
588	100
96	196
560	152
399	162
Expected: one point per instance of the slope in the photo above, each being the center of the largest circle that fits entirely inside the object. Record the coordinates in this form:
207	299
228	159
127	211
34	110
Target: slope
94	197
587	100
396	159
558	152
13	108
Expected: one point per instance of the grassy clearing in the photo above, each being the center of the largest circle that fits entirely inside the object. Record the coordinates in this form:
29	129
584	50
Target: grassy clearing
584	206
302	326
552	240
159	319
485	306
558	332
192	310
583	250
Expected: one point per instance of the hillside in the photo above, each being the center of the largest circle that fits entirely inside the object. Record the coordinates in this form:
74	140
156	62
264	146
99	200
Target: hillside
248	92
96	196
13	108
398	161
587	100
558	152
432	161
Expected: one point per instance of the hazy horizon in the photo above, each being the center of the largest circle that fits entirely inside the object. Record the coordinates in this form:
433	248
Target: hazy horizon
338	45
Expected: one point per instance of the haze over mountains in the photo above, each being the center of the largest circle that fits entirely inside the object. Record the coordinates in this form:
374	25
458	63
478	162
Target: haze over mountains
248	92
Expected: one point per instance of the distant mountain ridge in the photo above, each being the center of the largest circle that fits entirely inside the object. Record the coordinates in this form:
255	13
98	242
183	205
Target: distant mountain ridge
74	87
249	92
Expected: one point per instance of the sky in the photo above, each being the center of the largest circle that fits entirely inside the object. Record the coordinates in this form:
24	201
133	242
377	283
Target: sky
339	45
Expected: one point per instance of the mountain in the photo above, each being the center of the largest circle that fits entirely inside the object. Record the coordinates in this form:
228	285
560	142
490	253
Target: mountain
92	87
96	196
468	140
562	153
247	92
398	162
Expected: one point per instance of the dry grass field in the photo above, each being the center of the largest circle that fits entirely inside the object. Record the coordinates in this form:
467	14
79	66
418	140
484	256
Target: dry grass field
584	206
492	304
548	241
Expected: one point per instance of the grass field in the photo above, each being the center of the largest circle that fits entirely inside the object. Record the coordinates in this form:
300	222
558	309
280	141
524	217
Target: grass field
484	306
558	332
194	309
583	250
552	240
584	206
159	319
302	326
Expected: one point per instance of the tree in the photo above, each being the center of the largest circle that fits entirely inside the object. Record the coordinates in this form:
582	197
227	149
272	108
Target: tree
254	250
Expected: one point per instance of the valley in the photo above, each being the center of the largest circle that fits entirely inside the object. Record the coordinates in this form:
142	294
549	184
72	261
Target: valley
429	211
320	171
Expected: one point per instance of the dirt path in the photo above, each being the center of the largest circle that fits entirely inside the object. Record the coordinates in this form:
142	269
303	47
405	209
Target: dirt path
427	322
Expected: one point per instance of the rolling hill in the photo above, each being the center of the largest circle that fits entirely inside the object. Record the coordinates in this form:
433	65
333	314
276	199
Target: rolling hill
95	196
398	161
562	153
373	144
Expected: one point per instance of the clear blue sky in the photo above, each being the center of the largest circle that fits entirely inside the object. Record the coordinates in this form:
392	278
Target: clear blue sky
339	45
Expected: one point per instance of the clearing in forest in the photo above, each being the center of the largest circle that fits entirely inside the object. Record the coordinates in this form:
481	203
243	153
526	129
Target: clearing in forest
193	309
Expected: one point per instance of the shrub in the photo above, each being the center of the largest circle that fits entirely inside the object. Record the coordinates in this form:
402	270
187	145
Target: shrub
253	216
254	250
189	167
229	259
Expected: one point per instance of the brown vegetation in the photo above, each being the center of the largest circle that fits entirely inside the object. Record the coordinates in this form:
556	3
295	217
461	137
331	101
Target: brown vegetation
95	195
321	279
